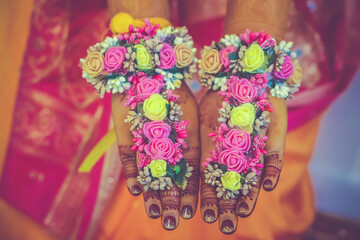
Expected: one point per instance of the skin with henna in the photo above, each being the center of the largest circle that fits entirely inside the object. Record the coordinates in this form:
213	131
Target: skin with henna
173	203
256	15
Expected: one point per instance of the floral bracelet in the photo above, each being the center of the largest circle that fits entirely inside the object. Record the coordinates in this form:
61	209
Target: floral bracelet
147	64
242	68
247	55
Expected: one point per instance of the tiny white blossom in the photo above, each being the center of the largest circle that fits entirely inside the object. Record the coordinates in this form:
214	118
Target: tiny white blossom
230	40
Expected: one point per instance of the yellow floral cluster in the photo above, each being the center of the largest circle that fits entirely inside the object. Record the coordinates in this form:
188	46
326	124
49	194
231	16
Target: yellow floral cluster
254	58
155	107
231	181
243	116
158	168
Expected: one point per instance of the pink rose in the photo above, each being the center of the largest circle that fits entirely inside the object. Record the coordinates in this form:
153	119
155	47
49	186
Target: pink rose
114	58
146	87
243	91
167	57
286	70
157	129
160	148
233	159
224	55
237	139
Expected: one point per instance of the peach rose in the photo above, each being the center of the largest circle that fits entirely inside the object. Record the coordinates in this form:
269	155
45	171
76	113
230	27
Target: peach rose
296	77
184	55
210	62
94	64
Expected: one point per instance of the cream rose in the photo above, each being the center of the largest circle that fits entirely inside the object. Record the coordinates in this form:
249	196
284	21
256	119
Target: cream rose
210	61
184	55
295	78
94	64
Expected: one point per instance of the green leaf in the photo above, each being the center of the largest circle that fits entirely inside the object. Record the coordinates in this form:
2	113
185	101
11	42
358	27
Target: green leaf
169	171
179	177
176	169
212	163
167	108
139	107
221	74
242	179
233	56
223	167
173	134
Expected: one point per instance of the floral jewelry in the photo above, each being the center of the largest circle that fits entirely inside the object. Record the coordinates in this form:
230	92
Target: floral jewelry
241	68
247	55
148	63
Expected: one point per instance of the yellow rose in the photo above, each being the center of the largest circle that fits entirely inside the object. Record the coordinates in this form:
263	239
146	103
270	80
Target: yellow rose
231	181
296	77
94	64
155	107
158	168
184	55
254	58
243	116
210	61
143	57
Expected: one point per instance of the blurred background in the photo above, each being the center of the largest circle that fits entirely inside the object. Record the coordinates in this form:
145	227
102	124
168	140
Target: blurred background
335	165
50	120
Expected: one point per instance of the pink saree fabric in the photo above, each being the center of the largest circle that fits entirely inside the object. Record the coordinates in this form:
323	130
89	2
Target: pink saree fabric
59	118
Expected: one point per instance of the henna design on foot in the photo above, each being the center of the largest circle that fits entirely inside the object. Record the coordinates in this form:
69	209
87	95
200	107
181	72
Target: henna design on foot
192	187
228	218
128	159
170	201
227	206
152	203
208	196
209	202
208	111
246	204
189	196
272	171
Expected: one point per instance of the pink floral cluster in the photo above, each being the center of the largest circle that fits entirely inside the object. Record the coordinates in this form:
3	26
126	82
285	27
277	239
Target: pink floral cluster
115	56
286	71
142	87
235	148
153	139
264	40
153	142
242	90
135	35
